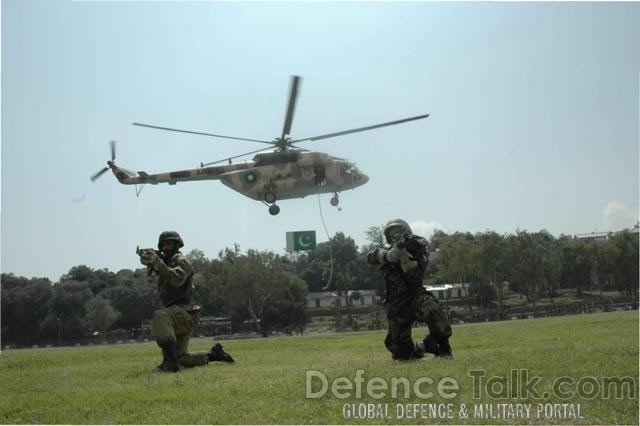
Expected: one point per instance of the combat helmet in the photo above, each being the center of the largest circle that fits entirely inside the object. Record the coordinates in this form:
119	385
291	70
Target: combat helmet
404	226
170	235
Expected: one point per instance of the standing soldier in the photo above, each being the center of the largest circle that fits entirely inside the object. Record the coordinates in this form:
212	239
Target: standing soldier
172	325
403	263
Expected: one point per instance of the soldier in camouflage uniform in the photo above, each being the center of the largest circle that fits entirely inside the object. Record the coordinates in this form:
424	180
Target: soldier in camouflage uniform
172	325
403	263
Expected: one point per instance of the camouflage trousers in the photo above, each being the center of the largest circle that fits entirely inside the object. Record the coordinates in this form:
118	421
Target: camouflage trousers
402	312
174	324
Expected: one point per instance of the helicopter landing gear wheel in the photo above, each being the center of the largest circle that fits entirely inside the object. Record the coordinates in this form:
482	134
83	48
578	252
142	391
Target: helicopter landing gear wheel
274	210
334	200
270	197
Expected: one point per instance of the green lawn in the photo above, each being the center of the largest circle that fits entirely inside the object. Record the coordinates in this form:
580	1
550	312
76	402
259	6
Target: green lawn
114	384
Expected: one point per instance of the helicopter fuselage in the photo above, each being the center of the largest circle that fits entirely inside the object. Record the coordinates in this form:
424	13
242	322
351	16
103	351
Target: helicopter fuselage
288	174
299	175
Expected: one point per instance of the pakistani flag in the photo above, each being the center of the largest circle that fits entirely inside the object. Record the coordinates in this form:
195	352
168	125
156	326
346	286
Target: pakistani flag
301	240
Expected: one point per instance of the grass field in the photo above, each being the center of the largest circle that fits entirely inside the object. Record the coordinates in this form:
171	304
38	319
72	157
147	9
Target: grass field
114	384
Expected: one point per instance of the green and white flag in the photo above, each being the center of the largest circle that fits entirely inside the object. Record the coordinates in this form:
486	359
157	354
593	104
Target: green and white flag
301	240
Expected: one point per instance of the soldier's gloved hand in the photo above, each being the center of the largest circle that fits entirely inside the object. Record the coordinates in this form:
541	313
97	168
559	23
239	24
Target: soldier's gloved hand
148	257
377	256
372	257
394	254
397	254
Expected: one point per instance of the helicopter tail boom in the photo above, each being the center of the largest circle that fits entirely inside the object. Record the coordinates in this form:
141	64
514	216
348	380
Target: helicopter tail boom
126	177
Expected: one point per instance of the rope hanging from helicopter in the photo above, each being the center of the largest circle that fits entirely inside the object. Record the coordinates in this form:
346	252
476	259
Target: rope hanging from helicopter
328	286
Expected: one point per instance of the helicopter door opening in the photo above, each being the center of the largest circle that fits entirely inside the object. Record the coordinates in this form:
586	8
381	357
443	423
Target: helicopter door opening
320	174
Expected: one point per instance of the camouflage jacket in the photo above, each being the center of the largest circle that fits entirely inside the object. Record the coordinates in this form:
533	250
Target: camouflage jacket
175	284
399	283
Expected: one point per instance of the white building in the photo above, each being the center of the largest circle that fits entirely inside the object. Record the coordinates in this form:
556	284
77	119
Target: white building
602	237
328	299
449	290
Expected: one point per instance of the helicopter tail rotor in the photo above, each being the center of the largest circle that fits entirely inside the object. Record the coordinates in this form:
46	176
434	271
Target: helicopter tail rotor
100	173
112	147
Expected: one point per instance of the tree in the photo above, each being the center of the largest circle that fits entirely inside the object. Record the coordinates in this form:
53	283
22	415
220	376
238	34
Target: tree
101	280
24	307
525	270
550	252
454	255
578	264
607	258
375	236
626	272
100	315
437	238
78	273
135	298
197	258
66	310
259	287
289	310
489	257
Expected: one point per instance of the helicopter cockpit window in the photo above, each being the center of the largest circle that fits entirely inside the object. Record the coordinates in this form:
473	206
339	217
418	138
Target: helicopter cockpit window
347	169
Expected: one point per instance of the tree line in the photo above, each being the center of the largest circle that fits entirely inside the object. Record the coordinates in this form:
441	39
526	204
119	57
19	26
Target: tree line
536	265
267	291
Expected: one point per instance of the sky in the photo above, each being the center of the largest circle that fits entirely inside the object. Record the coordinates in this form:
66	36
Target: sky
534	120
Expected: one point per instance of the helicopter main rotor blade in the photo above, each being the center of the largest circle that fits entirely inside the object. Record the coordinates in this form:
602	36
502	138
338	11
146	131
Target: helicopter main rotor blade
200	133
293	95
100	173
231	158
360	129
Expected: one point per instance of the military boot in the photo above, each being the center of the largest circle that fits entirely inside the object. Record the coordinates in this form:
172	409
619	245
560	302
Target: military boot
418	351
444	349
169	359
430	345
218	354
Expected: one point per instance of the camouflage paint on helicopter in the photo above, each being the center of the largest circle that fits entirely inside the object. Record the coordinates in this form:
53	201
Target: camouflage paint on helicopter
268	177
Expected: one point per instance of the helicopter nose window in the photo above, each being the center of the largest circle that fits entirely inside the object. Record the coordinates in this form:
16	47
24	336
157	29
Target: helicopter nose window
347	169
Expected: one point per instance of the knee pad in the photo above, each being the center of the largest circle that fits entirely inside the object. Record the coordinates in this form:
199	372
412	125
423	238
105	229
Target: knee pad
161	328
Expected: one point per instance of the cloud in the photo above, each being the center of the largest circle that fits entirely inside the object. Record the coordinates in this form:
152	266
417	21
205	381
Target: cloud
425	229
617	216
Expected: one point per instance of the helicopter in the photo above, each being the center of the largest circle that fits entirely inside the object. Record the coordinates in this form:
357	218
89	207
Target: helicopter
286	172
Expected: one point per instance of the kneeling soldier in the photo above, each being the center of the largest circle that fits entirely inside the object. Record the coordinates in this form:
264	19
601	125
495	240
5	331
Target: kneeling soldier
403	262
172	325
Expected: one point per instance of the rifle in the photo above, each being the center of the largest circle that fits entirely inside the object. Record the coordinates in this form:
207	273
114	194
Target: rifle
146	252
402	239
